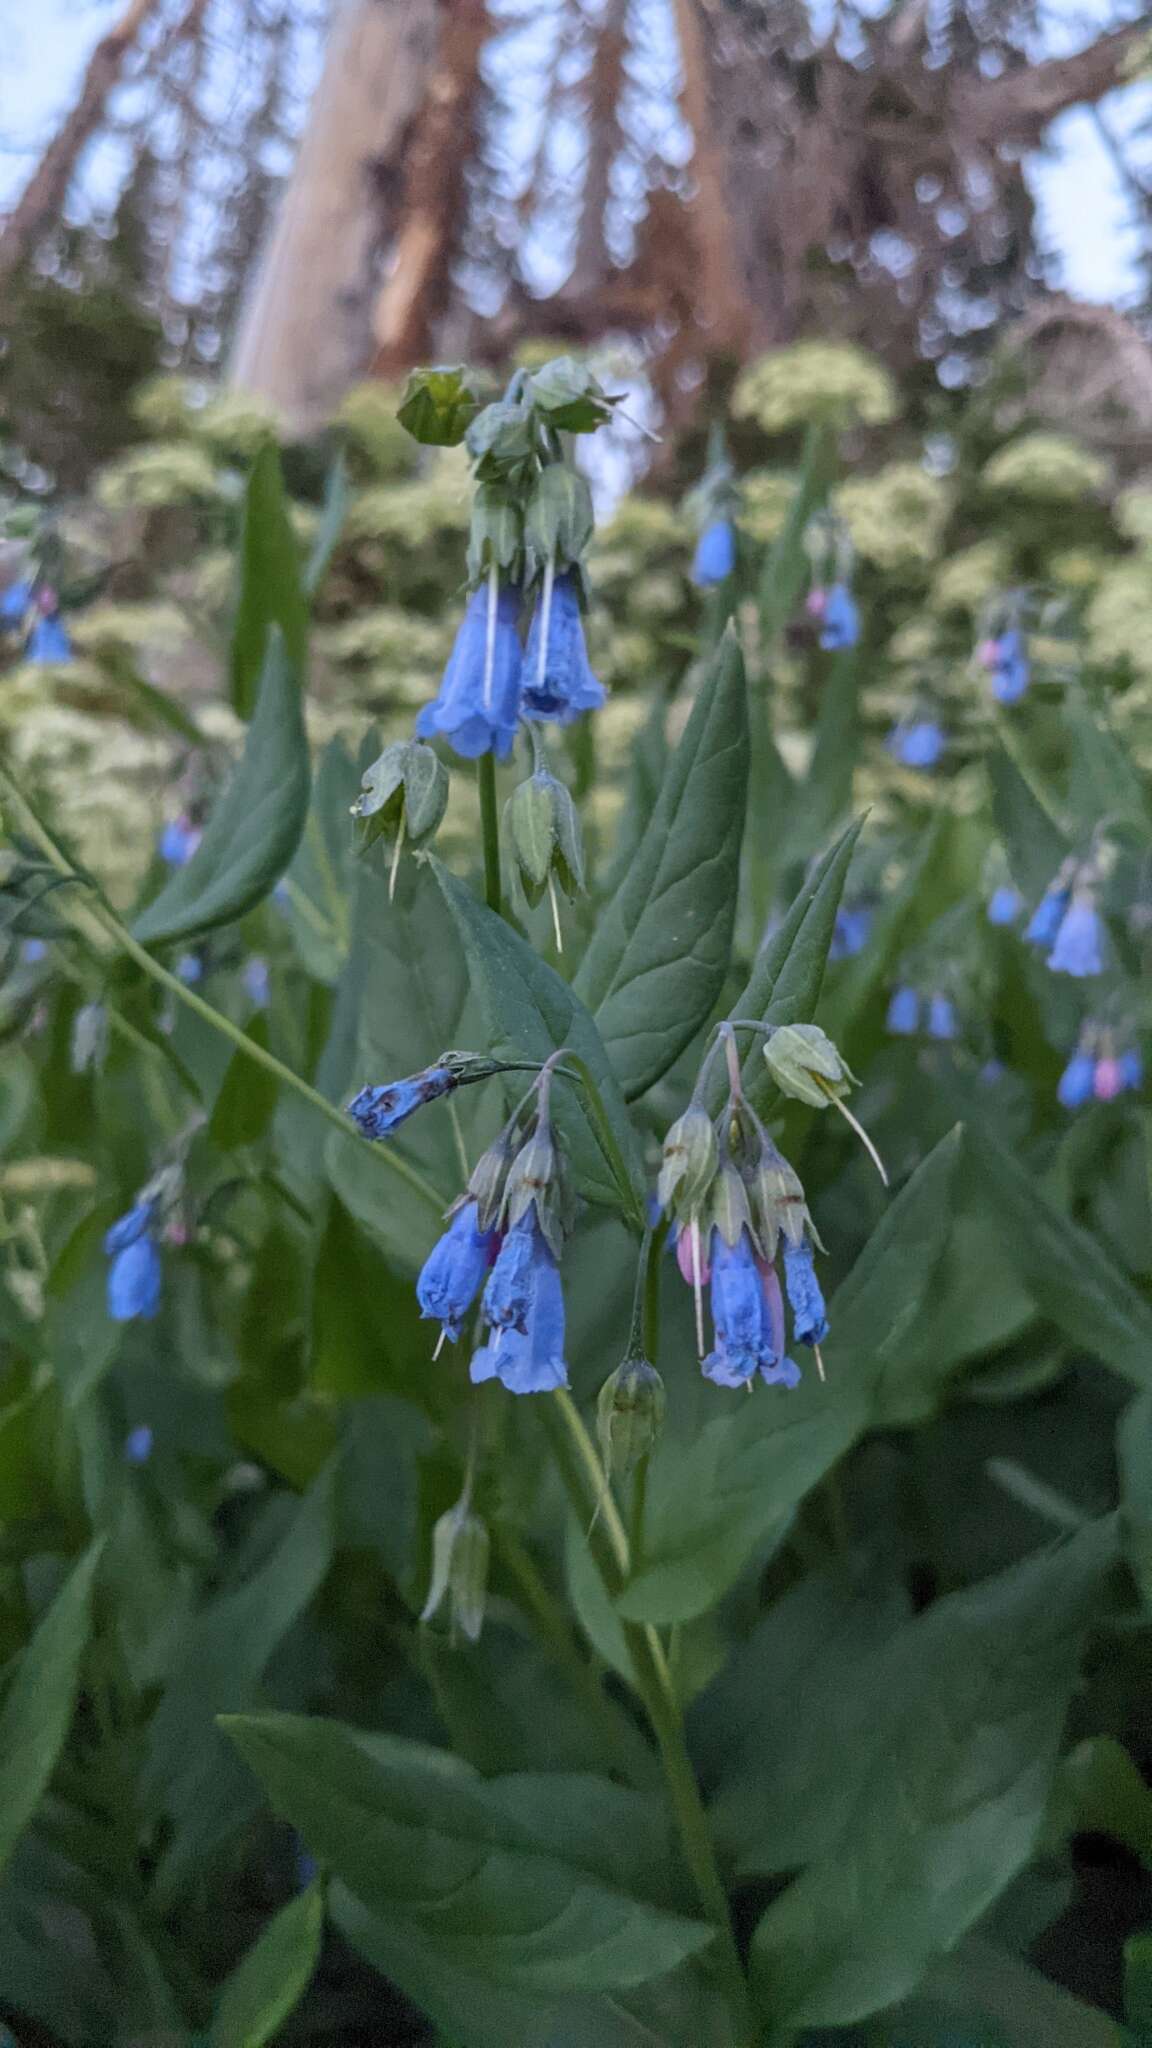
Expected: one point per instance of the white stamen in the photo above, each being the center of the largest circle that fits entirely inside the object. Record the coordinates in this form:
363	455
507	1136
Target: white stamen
395	867
697	1285
490	637
545	622
441	1341
819	1362
862	1134
555	915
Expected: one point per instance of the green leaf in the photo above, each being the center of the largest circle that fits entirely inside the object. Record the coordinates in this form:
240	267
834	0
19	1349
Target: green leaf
246	1103
714	1497
952	1773
1032	839
439	405
1105	783
155	706
786	561
1105	1794
530	1013
1134	1458
523	1880
272	1978
332	517
253	831
786	979
1069	1276
271	589
319	887
37	1711
660	953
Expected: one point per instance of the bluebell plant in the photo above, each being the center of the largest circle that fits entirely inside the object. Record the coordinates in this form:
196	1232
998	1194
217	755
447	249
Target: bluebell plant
135	1275
1101	1068
917	742
711	505
1004	657
1066	924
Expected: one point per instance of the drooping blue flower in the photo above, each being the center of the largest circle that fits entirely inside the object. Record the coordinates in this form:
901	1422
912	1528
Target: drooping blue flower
809	1316
256	981
1076	1083
14	602
841	619
135	1275
478	703
851	931
525	1349
917	742
1009	667
49	640
1079	942
715	556
566	685
1131	1069
942	1017
178	841
747	1317
454	1271
1005	904
904	1012
138	1445
1046	919
377	1111
190	968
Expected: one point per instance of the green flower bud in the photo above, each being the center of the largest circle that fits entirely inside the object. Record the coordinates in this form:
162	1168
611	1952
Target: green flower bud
569	396
439	404
495	536
543	831
489	1179
730	1211
558	523
536	1175
689	1163
779	1204
459	1570
404	792
629	1414
804	1062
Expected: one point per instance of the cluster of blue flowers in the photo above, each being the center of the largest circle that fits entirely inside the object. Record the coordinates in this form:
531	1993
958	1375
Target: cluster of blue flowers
1005	657
1097	1072
33	612
837	613
1066	924
910	1013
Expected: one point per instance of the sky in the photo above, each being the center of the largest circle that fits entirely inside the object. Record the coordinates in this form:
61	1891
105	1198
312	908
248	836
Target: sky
1085	215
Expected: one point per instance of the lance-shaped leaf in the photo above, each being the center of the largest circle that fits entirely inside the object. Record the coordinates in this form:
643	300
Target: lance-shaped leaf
658	959
38	1708
271	587
274	1975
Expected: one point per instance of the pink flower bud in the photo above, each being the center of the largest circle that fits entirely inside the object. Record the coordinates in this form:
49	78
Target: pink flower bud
816	601
988	653
774	1303
690	1251
1107	1081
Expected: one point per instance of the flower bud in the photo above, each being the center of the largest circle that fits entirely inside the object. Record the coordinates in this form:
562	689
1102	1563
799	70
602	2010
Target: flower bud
460	1570
804	1062
488	1180
558	523
629	1414
730	1210
406	790
779	1203
89	1038
689	1162
569	397
544	831
535	1176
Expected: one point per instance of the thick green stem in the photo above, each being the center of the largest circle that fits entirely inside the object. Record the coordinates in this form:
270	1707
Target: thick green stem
94	919
490	825
590	1496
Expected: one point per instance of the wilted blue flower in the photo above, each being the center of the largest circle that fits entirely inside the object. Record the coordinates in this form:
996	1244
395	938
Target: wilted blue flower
1131	1069
1078	946
48	641
851	931
453	1273
138	1445
904	1012
917	742
1007	662
256	981
747	1316
1076	1083
941	1017
809	1317
1046	919
1005	904
190	968
525	1303
378	1110
715	556
14	602
567	685
134	1275
478	702
840	626
178	841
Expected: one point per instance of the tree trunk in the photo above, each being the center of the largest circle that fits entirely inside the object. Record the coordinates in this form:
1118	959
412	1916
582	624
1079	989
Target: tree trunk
40	204
306	334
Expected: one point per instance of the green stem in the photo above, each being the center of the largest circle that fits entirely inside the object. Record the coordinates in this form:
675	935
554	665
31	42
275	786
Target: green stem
490	824
95	913
584	1480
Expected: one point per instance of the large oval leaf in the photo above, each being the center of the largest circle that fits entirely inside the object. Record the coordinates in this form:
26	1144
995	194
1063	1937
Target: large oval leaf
657	962
256	825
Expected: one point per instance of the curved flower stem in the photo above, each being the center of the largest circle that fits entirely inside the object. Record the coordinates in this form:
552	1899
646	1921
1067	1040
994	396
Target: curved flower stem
490	825
584	1481
93	920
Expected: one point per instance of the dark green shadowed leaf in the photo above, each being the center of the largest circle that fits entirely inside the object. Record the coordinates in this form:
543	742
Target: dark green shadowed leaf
660	953
271	589
951	1762
274	1975
256	825
530	1013
247	1100
38	1709
1031	837
524	1881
